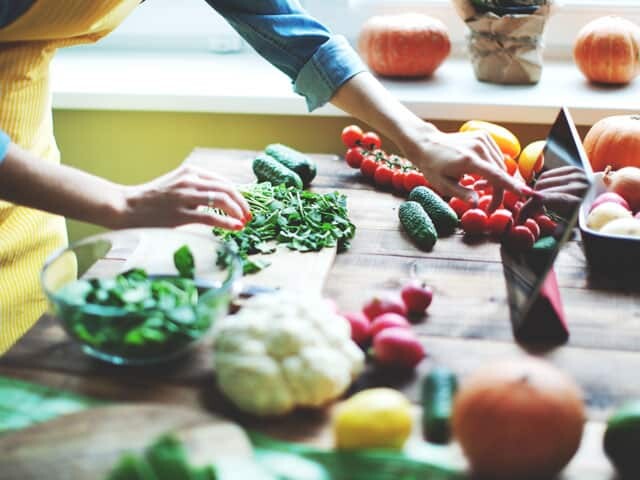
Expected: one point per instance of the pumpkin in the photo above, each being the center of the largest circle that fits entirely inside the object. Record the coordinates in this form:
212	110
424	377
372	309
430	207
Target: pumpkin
614	141
518	419
607	50
404	45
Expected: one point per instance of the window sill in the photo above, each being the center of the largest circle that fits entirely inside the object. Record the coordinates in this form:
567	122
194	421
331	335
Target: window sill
245	84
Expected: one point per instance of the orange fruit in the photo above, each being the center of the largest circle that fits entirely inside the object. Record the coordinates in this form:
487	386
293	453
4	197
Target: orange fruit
507	141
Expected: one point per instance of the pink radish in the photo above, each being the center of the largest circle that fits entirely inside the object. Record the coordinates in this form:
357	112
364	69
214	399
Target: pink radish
609	197
388	320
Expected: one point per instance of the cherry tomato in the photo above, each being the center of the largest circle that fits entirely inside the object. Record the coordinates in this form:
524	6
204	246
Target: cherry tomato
520	239
351	136
474	221
397	180
354	157
516	210
371	140
467	180
484	202
531	224
509	200
459	206
368	166
414	178
547	226
500	222
383	175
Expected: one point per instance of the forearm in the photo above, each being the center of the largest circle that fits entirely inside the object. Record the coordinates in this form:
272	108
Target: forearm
62	190
366	99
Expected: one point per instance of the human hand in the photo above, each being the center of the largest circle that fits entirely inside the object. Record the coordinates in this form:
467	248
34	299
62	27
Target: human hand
445	157
173	199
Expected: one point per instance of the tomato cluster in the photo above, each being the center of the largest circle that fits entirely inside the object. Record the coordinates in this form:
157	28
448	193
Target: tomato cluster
388	171
503	223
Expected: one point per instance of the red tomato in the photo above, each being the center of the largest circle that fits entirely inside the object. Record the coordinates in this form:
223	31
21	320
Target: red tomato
509	200
467	181
520	239
371	141
531	224
351	135
474	221
368	166
412	179
397	180
459	206
547	226
516	210
500	222
354	157
484	202
382	176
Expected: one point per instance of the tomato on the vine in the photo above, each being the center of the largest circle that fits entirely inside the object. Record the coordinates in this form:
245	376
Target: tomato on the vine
383	175
351	136
484	202
520	239
459	206
467	180
500	222
413	179
509	199
531	224
474	221
397	180
547	226
368	166
371	141
354	157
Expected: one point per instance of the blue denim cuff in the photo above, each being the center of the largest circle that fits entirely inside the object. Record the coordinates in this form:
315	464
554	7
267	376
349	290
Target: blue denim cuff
331	65
4	145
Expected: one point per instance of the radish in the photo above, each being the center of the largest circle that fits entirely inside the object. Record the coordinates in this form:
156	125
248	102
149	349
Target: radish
609	197
386	304
387	320
398	347
360	327
417	297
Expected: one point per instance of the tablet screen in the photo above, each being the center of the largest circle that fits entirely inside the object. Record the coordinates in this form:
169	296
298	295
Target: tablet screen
564	179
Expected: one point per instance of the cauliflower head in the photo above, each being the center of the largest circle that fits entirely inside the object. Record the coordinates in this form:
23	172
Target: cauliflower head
283	350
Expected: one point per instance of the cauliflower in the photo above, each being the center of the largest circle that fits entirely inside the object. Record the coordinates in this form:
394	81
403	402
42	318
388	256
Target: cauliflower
284	350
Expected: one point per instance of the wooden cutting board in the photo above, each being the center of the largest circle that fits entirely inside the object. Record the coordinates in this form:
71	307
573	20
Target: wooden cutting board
86	445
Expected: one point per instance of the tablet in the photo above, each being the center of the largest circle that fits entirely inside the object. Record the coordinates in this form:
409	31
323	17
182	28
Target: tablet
525	273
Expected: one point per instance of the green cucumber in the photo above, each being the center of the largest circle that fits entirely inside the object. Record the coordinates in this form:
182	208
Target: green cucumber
621	439
267	169
418	225
438	390
443	216
293	160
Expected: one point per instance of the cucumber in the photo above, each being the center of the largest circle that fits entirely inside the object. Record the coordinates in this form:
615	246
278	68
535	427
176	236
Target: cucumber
438	390
293	160
418	225
267	169
621	440
443	216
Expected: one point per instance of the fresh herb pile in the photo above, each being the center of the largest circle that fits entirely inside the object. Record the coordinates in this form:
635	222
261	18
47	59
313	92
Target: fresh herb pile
134	315
299	219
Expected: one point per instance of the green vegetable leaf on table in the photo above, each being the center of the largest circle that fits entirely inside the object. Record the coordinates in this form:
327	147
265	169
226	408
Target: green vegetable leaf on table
298	219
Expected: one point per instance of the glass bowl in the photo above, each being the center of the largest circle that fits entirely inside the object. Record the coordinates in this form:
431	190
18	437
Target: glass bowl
121	297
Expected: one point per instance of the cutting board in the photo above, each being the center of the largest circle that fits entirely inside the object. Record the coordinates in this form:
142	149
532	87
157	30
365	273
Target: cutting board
86	445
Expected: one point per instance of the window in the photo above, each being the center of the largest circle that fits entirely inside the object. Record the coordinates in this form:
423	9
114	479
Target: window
193	24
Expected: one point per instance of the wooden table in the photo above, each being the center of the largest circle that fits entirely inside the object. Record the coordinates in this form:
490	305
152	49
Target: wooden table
467	325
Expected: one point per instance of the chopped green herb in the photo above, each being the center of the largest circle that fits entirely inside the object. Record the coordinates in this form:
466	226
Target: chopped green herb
183	260
299	219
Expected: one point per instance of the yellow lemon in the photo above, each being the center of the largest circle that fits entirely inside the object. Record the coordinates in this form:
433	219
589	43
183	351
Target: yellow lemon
507	141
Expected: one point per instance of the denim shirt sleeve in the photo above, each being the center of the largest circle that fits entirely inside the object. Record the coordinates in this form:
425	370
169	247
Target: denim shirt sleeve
317	61
4	145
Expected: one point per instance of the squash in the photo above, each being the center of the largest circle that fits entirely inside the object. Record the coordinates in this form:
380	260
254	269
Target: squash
607	50
614	141
520	418
404	45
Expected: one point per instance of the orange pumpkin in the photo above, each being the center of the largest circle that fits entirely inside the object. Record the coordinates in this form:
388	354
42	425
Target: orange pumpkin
607	50
614	141
404	45
518	419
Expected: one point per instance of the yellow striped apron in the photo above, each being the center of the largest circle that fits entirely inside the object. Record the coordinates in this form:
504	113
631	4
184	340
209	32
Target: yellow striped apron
28	236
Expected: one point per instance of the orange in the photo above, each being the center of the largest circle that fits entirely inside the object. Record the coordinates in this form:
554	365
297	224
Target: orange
507	141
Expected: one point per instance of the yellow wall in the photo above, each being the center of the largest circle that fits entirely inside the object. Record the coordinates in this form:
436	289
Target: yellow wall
132	147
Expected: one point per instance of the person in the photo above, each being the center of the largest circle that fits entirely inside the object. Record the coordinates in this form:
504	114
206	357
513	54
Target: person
37	192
